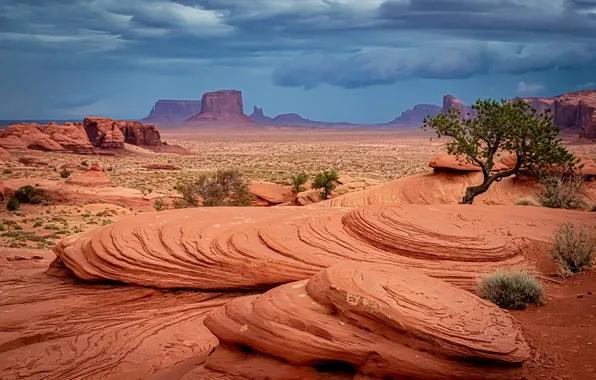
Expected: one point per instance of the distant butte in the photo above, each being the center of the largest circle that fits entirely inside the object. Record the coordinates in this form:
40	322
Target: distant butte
173	111
290	119
223	105
416	115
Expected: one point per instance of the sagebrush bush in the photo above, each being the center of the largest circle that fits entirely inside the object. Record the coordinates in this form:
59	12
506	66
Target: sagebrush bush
559	190
24	194
160	205
572	251
13	204
527	201
511	289
224	188
65	173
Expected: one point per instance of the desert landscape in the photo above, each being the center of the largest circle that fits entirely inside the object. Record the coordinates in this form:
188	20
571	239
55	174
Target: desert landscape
108	272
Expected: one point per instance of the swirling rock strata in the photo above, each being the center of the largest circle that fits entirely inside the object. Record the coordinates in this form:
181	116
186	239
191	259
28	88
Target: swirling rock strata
365	321
201	248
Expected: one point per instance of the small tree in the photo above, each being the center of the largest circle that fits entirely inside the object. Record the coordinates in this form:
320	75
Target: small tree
224	188
504	126
298	181
325	180
13	204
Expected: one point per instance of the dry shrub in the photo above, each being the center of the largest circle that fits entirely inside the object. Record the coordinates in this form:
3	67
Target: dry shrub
562	191
224	188
573	251
511	289
527	201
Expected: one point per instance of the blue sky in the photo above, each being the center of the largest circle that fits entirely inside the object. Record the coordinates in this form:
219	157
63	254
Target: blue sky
334	60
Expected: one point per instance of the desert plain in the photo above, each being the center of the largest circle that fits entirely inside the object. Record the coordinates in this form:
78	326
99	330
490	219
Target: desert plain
269	292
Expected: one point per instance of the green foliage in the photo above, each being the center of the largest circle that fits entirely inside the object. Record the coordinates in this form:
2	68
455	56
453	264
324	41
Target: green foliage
560	190
572	251
160	205
25	194
505	126
511	289
298	181
224	188
326	181
13	204
65	173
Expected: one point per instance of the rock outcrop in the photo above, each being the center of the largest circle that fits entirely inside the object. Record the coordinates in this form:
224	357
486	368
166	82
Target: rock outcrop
258	116
224	105
577	110
4	154
172	111
199	248
465	112
19	136
445	161
94	176
104	133
415	116
270	194
366	321
137	133
70	136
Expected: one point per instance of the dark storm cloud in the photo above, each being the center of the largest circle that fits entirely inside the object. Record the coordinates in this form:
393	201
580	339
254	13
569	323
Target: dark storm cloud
347	43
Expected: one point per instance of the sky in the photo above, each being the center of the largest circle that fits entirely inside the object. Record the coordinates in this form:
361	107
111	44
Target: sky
362	61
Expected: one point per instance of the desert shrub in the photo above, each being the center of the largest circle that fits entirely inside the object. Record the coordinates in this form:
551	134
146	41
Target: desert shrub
559	190
326	181
179	203
511	289
527	201
65	173
84	163
572	251
13	204
298	181
25	194
224	188
7	171
160	205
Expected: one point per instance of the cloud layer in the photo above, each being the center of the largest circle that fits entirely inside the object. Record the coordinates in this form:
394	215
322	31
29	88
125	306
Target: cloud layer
302	43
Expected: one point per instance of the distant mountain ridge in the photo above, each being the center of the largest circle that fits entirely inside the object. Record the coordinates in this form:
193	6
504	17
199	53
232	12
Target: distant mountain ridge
172	111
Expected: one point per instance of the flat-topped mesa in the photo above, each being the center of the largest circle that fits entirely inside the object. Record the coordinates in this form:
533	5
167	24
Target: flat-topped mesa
465	112
223	105
173	111
416	115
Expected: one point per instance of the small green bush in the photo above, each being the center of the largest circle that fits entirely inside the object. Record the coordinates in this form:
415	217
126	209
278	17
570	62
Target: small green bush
84	163
65	173
326	181
572	251
511	289
298	181
13	204
25	194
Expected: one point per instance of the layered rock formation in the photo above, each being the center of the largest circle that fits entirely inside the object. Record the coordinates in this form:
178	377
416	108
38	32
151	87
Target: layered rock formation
465	112
224	105
172	111
104	133
415	116
20	136
200	248
136	133
70	136
450	162
270	194
365	321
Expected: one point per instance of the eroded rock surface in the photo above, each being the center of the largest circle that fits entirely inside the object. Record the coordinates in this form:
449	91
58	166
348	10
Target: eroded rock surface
137	133
19	136
365	321
271	194
199	248
94	176
104	133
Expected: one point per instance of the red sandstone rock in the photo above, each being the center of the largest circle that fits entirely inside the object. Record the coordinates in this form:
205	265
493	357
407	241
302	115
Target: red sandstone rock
32	161
450	162
380	322
30	136
577	110
136	133
224	105
104	133
70	136
94	176
1	188
271	193
4	154
465	112
71	165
